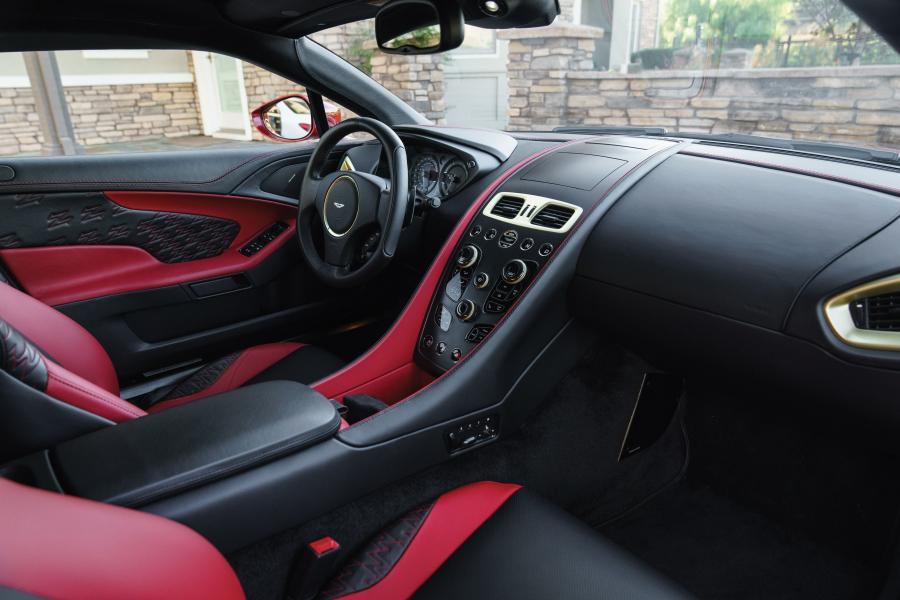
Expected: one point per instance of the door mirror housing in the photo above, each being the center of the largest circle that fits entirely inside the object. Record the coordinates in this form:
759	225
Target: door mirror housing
419	26
290	118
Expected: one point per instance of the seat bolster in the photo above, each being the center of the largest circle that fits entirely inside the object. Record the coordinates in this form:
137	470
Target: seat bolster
63	547
68	387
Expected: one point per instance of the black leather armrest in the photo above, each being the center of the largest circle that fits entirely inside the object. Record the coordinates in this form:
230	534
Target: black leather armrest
186	446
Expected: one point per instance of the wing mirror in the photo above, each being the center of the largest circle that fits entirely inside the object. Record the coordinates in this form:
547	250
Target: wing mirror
419	26
290	118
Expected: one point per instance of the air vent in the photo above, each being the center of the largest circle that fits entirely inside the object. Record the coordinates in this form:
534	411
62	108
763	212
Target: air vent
553	216
508	207
877	313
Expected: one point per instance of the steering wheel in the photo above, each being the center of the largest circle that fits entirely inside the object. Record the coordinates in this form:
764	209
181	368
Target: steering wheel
361	214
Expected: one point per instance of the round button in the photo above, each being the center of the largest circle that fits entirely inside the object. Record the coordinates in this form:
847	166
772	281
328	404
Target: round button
466	310
545	249
428	342
441	347
468	256
482	280
475	231
456	354
514	271
527	244
490	234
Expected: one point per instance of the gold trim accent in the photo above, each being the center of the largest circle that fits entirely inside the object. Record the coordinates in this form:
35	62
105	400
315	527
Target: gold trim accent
347	164
533	205
837	313
325	208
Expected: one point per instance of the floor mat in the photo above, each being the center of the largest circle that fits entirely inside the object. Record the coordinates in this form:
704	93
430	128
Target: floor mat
778	501
719	549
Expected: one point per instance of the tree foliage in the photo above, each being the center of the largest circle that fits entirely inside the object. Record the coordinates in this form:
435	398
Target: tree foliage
723	23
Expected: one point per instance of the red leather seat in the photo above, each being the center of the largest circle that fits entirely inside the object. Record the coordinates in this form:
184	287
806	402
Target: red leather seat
52	353
483	540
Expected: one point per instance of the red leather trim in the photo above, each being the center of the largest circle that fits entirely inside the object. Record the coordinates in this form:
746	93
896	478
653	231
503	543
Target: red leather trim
324	545
454	517
60	338
68	387
63	274
57	546
396	349
247	365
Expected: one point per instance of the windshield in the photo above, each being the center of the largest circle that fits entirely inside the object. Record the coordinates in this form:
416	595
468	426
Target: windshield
795	69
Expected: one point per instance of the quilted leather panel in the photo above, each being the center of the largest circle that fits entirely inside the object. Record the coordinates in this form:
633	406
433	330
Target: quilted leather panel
203	378
20	358
90	218
378	557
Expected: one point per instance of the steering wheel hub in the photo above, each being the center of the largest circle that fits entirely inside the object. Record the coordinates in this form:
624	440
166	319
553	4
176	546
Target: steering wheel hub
341	206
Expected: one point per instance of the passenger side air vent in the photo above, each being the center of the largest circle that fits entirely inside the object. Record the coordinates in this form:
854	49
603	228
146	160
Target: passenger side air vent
553	216
508	207
878	313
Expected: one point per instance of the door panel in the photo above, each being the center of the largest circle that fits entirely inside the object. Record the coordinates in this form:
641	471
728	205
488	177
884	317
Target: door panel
156	273
66	248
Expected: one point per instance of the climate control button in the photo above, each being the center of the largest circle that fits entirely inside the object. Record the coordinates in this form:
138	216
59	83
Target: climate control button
514	271
466	310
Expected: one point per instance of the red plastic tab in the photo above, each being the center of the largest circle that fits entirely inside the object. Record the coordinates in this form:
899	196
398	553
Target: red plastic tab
324	545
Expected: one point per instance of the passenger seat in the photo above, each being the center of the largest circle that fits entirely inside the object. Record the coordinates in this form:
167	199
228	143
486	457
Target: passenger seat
483	540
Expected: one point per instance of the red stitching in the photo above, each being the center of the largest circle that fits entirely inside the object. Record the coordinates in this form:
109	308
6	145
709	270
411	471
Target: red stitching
126	409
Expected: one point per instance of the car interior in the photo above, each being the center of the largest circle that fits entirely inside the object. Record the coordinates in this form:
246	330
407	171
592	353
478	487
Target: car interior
397	359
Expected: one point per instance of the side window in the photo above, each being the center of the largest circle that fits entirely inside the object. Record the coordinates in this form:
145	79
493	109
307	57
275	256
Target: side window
108	101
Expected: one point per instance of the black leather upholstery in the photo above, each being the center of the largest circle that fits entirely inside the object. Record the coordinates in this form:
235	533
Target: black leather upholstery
20	358
531	550
176	449
306	365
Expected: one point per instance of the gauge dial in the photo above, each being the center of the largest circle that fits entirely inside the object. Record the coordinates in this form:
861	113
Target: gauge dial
425	174
453	177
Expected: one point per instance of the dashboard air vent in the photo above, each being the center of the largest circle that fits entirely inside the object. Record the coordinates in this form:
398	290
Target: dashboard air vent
879	313
508	207
553	216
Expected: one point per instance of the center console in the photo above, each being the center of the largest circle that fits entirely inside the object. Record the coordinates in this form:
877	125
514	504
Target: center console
506	246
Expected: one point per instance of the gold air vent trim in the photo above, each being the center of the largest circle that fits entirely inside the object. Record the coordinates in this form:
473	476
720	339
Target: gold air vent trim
532	206
837	313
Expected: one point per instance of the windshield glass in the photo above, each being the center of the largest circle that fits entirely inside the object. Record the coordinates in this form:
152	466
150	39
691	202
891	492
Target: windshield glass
796	69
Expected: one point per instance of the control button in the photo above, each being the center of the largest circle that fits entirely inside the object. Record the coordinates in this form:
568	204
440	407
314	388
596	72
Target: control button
481	281
456	354
527	244
508	239
478	333
475	231
494	307
428	341
491	234
444	318
468	256
466	310
545	249
441	348
454	288
514	271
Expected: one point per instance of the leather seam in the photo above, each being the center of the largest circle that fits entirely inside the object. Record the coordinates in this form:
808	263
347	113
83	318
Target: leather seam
95	396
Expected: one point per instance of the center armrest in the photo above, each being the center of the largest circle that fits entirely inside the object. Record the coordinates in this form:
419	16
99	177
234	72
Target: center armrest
186	446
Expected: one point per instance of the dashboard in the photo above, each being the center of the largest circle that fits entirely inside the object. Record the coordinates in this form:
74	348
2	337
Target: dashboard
435	174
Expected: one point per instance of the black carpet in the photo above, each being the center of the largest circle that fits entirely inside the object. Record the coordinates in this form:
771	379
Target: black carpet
567	452
779	501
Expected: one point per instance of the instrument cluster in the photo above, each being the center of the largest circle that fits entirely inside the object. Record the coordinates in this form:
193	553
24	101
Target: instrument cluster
437	174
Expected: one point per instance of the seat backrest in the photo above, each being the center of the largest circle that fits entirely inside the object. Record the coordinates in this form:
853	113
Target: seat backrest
58	337
63	547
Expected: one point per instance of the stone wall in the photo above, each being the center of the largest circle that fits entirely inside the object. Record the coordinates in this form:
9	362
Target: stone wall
417	80
102	114
552	82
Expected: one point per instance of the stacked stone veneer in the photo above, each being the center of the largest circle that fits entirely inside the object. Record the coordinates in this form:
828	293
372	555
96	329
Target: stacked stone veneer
417	80
552	82
102	114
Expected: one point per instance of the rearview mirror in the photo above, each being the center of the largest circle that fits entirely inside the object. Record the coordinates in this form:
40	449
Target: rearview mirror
419	26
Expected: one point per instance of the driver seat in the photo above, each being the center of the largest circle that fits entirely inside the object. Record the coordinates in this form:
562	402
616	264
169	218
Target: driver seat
47	351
